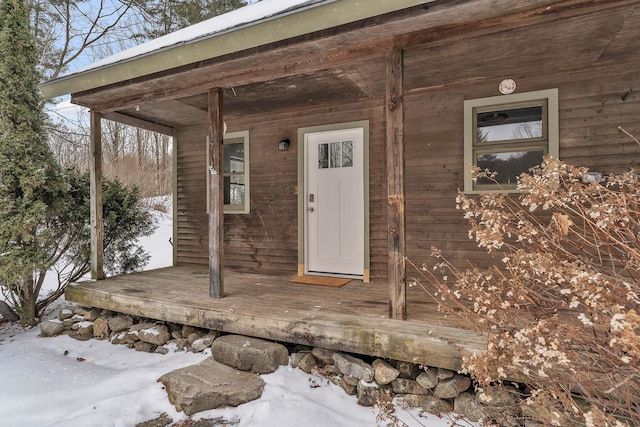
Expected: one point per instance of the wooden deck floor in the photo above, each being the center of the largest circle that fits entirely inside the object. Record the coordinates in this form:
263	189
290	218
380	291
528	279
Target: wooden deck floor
353	318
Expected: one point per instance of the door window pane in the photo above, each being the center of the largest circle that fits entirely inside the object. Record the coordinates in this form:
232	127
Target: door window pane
336	154
323	156
347	154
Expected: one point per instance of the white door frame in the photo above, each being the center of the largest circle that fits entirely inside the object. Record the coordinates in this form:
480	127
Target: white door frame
302	205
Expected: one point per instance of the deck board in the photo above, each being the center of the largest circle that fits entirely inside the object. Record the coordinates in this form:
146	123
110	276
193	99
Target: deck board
352	318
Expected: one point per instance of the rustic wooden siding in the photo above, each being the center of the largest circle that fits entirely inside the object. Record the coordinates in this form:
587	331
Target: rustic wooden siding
593	60
265	240
591	55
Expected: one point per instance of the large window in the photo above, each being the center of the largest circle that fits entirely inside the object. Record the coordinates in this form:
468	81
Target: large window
509	135
236	172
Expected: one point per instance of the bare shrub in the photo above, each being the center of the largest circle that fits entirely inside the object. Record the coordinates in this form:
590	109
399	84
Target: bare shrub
561	311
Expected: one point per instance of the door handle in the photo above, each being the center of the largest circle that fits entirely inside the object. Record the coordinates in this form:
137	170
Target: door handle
310	209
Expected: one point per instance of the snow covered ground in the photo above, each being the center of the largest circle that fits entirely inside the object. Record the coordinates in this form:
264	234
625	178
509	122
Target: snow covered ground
63	382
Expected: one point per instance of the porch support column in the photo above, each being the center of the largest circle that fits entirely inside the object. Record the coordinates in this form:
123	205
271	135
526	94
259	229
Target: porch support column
395	184
216	195
95	203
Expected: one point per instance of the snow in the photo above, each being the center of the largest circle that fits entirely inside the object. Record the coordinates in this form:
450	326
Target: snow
64	382
250	14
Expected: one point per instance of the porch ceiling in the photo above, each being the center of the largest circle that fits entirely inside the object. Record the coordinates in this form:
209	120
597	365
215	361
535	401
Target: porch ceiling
294	92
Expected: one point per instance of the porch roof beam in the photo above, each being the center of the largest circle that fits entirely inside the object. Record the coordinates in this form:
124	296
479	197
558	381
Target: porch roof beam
139	123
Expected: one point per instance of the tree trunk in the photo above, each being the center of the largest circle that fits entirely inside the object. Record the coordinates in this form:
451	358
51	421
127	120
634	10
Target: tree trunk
28	313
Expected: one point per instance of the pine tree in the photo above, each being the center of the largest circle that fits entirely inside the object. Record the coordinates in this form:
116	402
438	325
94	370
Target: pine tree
31	185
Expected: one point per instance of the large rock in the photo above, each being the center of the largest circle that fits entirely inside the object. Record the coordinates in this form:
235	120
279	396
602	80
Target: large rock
188	330
162	421
371	394
353	366
193	337
72	320
144	346
427	402
407	386
210	385
65	314
156	334
351	390
308	363
119	338
120	323
203	343
50	328
249	354
469	407
451	388
323	355
101	328
498	396
428	379
88	313
383	372
445	374
408	369
84	328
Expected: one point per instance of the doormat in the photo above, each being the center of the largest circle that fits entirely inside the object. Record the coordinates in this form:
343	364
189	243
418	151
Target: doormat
335	282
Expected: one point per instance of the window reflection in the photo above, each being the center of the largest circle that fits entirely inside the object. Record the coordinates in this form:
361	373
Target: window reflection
335	155
323	156
234	173
508	166
510	124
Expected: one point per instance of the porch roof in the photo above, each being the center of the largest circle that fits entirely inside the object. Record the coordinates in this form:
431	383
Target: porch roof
258	24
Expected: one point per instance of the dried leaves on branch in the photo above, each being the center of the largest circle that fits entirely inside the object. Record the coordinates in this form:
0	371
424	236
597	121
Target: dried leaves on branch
561	310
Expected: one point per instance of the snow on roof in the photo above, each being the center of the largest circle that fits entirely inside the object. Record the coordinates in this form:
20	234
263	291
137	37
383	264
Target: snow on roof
239	18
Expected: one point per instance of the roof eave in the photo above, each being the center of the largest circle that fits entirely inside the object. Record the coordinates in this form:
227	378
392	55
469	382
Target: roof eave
306	21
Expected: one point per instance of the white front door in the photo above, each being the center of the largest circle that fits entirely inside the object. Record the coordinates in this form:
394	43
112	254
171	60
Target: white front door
334	202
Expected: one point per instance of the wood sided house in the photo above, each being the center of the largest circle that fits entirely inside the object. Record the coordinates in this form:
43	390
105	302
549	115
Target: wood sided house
330	137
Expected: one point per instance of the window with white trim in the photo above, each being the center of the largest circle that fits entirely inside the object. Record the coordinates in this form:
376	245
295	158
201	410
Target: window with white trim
236	172
508	135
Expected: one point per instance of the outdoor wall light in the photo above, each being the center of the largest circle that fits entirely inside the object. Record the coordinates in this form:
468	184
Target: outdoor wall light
284	144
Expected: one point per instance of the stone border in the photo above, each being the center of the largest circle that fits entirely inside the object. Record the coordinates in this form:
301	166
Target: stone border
373	381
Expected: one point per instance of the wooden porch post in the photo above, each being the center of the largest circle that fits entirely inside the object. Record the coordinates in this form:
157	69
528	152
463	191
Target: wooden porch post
95	204
216	195
395	184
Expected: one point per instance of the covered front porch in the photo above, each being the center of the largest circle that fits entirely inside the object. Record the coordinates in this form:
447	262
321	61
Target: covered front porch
353	318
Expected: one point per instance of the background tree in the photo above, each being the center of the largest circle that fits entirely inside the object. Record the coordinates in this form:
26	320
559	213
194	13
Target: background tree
165	16
67	30
73	33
